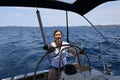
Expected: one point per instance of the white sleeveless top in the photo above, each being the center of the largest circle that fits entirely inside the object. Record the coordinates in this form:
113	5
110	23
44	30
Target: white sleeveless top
57	53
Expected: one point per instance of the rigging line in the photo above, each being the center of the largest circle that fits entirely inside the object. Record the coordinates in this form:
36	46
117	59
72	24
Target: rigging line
96	28
102	57
111	46
67	26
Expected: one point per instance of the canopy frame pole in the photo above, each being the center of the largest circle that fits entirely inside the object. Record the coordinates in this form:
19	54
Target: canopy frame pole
67	26
41	27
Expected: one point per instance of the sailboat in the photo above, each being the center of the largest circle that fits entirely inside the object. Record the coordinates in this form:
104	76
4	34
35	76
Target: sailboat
81	7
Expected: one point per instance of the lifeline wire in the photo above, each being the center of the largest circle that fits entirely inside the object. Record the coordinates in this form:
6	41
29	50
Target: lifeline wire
102	53
96	29
111	45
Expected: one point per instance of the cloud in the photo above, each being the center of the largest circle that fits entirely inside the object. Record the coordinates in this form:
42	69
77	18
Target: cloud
19	15
104	14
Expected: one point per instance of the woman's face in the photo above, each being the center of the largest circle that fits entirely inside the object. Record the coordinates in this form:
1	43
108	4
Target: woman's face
58	36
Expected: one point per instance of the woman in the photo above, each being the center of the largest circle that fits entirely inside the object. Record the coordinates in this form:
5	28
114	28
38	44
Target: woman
59	57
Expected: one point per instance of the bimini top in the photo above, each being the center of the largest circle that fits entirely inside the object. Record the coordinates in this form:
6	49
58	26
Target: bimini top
79	6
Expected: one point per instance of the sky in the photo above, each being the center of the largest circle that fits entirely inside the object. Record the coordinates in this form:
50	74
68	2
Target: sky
105	14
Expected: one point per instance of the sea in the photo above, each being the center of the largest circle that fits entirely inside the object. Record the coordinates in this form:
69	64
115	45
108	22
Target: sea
22	47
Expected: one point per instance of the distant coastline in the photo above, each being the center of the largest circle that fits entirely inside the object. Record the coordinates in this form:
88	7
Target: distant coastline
113	25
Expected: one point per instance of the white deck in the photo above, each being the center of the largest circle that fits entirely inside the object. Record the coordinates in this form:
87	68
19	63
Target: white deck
86	75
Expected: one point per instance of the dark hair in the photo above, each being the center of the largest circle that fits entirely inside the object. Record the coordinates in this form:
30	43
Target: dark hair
70	69
57	31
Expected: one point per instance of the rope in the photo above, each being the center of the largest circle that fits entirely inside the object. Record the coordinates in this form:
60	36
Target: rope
96	29
111	46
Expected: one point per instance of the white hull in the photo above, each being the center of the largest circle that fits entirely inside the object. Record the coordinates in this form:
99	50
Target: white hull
86	75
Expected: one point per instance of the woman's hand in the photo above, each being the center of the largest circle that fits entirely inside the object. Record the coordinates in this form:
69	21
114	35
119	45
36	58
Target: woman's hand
45	47
51	49
83	51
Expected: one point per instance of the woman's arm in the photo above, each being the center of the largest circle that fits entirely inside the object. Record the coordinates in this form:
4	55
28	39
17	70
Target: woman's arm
74	53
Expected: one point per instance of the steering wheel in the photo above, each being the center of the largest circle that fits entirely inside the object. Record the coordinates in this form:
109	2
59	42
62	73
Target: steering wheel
80	58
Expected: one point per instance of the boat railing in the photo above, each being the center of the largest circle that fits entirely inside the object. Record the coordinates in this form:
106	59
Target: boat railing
42	75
